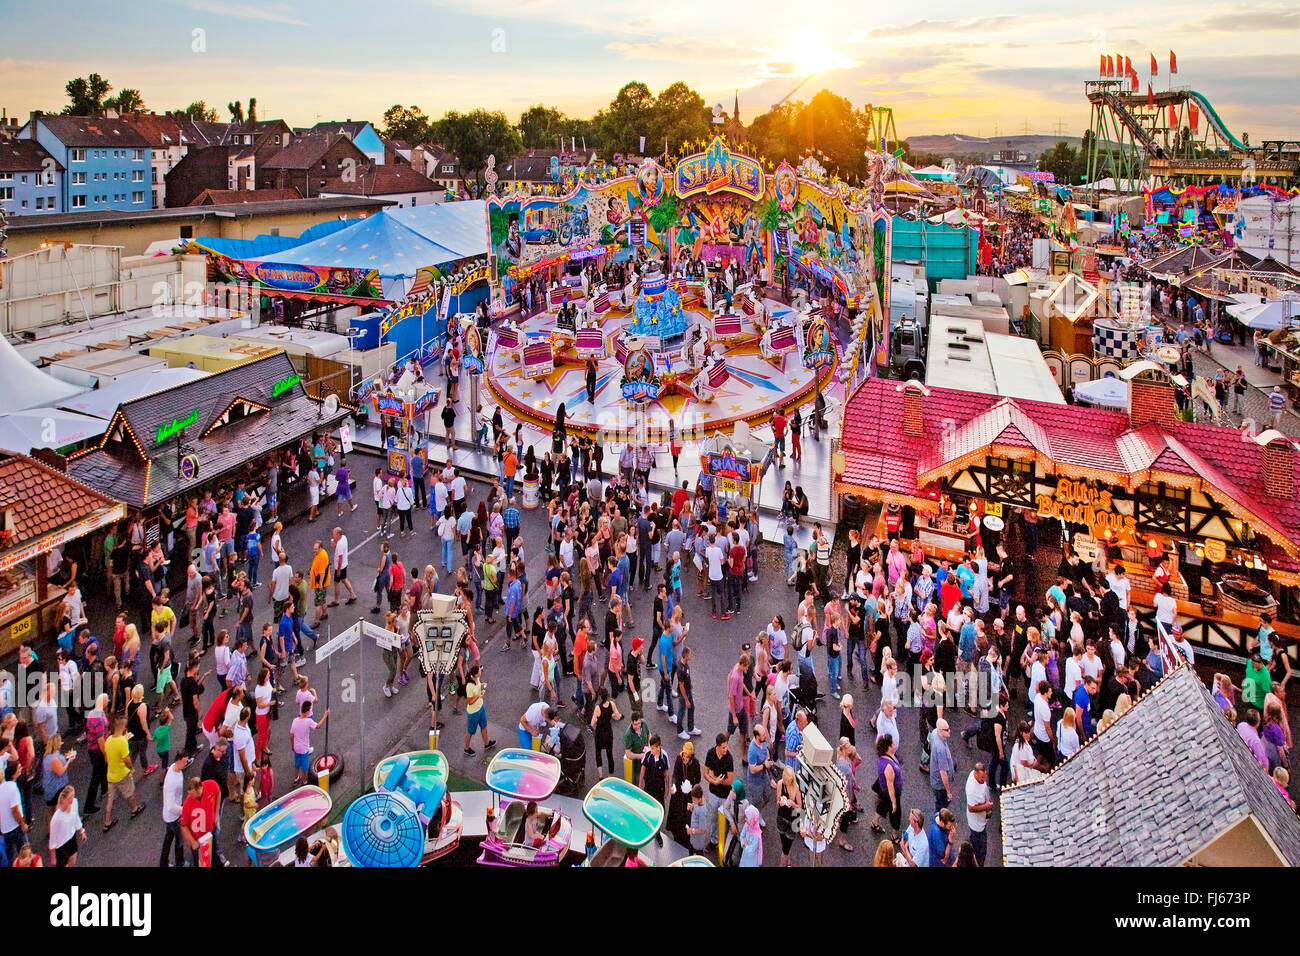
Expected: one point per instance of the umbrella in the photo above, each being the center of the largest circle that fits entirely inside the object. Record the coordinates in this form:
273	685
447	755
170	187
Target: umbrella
47	428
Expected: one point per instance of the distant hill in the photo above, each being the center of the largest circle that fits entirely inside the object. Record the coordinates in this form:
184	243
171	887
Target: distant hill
958	144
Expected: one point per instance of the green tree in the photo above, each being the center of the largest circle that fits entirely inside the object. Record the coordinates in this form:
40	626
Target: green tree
126	101
773	133
663	214
475	136
680	116
236	111
834	127
541	127
198	110
405	122
630	116
252	109
87	95
1061	161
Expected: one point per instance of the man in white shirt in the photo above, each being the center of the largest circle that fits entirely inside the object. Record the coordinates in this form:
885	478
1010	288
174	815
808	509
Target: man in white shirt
1091	664
377	489
341	568
713	554
1043	742
1181	644
1073	673
1120	584
566	550
173	798
1037	672
978	806
281	577
243	744
458	489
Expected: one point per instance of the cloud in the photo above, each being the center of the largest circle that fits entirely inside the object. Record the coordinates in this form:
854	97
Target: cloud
248	11
917	27
1267	17
685	49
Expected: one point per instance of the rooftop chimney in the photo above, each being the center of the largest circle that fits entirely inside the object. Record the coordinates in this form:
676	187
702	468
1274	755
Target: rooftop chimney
1279	465
913	408
1151	402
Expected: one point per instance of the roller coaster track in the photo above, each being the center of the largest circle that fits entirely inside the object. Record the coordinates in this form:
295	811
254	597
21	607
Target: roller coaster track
1150	123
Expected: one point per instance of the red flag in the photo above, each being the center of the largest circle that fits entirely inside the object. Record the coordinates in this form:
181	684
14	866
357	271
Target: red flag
1110	66
1154	70
1134	77
1151	97
1119	65
1173	116
1101	70
1192	115
1173	62
1128	65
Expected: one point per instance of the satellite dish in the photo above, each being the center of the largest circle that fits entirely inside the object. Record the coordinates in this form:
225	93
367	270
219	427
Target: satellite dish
331	404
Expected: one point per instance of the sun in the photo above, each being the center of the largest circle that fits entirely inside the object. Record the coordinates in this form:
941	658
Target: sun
809	51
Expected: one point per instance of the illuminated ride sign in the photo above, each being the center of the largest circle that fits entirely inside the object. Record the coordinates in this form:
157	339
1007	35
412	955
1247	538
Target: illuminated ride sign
285	384
718	170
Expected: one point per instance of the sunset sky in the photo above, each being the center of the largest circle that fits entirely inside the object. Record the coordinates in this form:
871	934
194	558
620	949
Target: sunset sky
940	66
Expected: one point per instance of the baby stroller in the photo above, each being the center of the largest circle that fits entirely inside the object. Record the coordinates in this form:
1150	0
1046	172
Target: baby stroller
573	760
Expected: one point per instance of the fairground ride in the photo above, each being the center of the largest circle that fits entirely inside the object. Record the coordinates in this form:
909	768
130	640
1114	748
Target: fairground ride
1176	137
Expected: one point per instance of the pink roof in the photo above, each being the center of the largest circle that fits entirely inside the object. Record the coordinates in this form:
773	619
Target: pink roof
880	456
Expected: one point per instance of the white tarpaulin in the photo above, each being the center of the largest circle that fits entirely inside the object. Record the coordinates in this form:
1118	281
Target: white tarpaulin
1106	392
47	428
23	385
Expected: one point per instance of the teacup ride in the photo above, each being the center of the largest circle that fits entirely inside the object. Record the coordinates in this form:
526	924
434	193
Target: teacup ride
516	778
382	829
627	817
277	826
422	776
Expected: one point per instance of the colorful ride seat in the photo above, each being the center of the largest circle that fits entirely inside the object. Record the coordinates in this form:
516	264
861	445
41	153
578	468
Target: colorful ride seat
590	343
600	305
727	328
539	360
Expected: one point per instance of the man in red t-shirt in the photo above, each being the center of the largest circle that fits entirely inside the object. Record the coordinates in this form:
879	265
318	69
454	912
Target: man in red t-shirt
199	815
736	575
779	425
680	497
214	715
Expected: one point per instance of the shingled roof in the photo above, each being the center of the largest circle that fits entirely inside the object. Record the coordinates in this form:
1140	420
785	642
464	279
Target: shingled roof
41	499
95	131
117	468
1157	787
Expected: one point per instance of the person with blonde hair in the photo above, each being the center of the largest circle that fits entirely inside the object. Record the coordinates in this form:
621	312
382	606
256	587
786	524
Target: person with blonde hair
886	855
1067	734
789	803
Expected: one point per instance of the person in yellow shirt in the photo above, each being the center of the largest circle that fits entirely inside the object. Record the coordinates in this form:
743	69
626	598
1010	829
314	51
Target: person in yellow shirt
320	582
121	781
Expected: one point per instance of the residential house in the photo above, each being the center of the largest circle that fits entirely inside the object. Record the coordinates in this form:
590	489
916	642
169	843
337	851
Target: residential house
440	165
360	132
309	162
106	162
397	151
31	180
171	136
400	183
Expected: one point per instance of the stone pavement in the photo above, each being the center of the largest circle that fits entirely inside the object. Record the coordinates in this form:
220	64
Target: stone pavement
401	723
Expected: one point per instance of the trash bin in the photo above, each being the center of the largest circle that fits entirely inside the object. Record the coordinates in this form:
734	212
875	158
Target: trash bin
852	511
531	495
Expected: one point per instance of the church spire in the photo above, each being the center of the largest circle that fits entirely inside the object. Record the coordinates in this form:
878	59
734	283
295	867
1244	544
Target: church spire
735	110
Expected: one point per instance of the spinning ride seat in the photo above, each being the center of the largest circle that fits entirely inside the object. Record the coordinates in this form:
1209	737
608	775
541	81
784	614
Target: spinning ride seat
726	329
705	385
600	305
590	343
539	360
776	342
508	338
747	306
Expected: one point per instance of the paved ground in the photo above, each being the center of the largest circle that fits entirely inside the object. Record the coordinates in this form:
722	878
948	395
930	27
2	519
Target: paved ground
402	722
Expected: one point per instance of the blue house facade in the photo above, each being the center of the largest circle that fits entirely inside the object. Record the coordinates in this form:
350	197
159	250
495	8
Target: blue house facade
106	162
363	136
31	180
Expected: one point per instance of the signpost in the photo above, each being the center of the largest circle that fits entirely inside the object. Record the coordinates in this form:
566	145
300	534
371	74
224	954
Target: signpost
345	641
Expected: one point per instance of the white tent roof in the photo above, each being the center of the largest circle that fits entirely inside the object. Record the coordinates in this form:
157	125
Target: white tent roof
23	385
1277	314
47	428
1107	392
103	402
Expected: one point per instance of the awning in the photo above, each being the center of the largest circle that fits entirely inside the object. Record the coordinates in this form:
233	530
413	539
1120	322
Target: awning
47	428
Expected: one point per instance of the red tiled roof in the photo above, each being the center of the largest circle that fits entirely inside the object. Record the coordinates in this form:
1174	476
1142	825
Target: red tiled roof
46	499
879	455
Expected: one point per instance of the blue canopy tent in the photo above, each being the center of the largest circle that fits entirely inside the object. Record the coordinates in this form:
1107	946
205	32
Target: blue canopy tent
265	246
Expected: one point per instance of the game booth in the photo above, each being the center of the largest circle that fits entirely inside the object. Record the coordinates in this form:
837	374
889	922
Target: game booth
775	238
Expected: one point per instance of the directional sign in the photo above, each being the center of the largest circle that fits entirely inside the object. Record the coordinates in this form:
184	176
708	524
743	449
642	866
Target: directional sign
381	636
341	642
